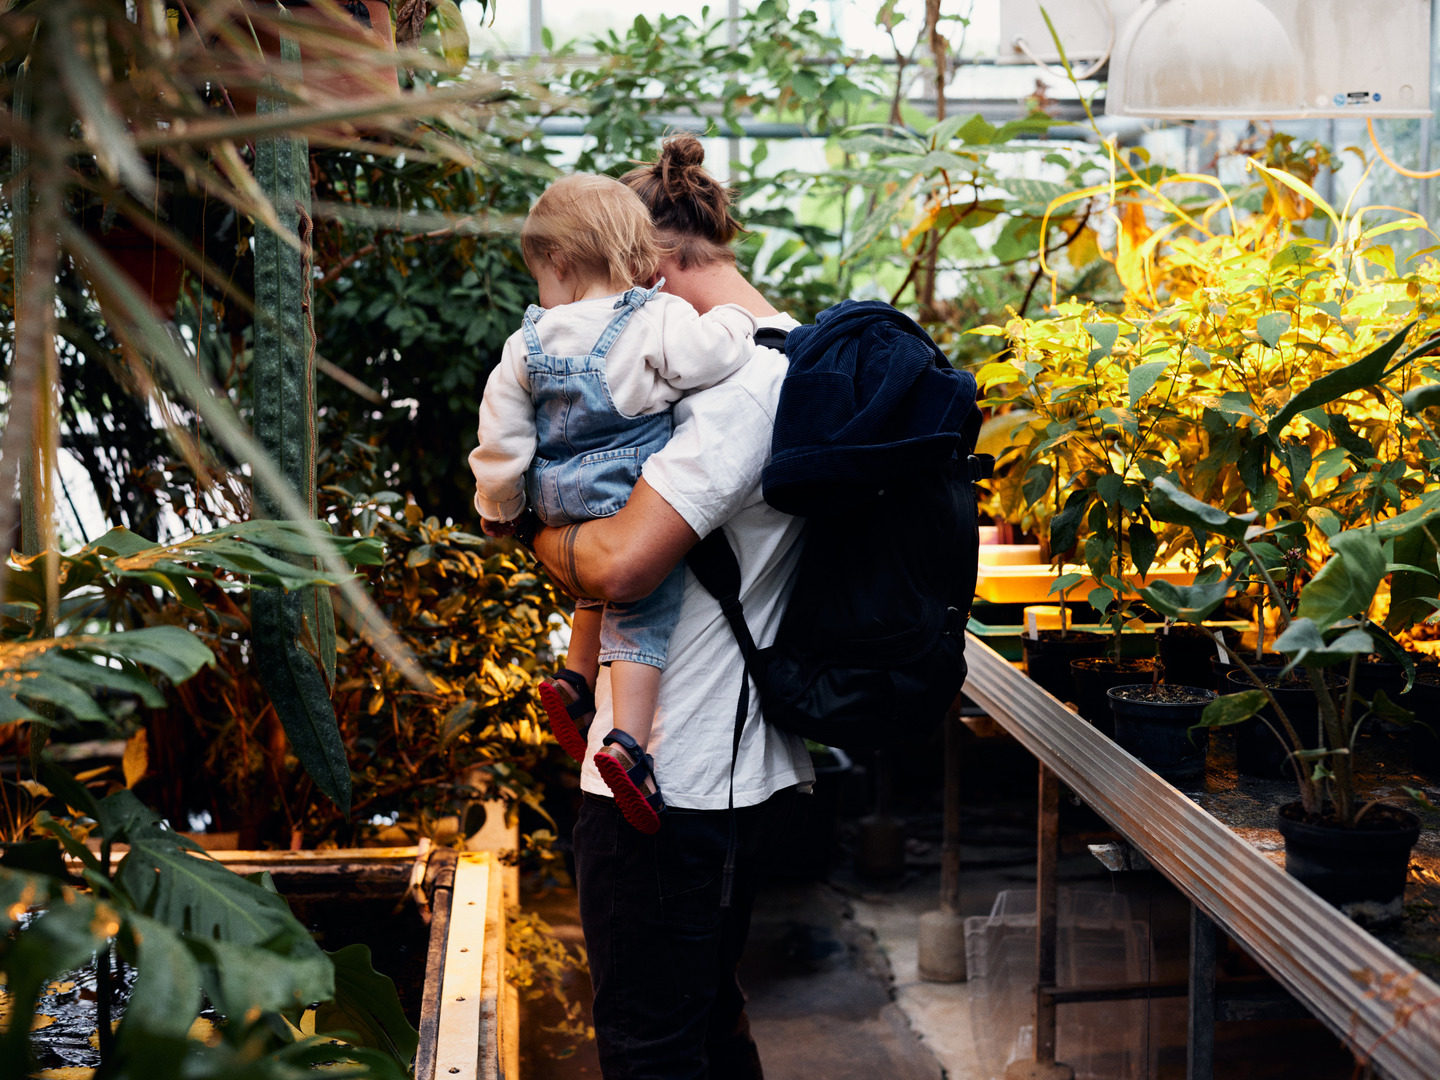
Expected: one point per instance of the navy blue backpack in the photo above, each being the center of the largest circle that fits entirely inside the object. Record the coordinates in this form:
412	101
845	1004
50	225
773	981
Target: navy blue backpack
874	445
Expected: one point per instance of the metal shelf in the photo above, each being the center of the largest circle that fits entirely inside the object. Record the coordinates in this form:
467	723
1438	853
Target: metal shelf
1326	961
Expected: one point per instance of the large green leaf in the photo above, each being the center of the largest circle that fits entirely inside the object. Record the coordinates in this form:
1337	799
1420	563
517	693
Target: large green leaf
1421	397
1305	644
1142	379
1065	526
1345	586
64	672
1187	603
1364	372
298	691
1169	503
63	937
285	973
1425	512
1232	708
189	891
1411	591
366	1007
166	996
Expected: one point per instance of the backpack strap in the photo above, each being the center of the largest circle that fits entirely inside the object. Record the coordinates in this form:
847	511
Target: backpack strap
715	566
771	337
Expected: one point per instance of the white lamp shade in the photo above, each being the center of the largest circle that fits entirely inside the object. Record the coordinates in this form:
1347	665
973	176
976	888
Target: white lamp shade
1259	59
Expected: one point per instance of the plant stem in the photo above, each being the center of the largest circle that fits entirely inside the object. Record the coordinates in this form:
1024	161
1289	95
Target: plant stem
1343	787
103	995
1309	798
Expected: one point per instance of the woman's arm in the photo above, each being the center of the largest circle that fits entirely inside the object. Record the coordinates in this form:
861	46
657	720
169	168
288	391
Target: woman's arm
623	557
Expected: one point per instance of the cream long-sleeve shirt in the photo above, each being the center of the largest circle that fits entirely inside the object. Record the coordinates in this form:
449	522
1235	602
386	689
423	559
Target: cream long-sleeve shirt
666	350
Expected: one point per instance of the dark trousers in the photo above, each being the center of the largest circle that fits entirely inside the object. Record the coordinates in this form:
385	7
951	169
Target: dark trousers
662	950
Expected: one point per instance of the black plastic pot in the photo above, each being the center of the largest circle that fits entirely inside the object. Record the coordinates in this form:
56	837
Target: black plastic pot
1424	701
1158	732
1373	675
1257	751
1367	864
1047	658
1187	653
1094	676
1220	669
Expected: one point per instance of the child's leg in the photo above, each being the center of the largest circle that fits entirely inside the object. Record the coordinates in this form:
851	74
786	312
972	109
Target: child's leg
569	698
634	691
622	762
583	657
634	639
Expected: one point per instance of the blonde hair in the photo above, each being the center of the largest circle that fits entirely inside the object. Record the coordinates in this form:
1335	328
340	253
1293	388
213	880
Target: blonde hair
593	226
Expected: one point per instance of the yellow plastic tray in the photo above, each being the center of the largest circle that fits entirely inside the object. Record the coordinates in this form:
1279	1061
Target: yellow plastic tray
1031	584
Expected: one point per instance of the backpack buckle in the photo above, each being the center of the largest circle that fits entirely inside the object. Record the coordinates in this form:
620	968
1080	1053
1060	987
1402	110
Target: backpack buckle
980	467
954	624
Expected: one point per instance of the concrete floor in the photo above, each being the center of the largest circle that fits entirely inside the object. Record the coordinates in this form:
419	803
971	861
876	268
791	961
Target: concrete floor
832	974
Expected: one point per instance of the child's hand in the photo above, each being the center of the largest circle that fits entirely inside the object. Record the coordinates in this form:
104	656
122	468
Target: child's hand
497	528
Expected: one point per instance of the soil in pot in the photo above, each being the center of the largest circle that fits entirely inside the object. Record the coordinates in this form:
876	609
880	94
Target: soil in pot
1094	676
1187	652
1361	871
1154	723
1257	751
1047	658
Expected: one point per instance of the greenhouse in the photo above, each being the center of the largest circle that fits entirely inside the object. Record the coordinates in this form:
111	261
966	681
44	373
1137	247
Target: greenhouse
864	538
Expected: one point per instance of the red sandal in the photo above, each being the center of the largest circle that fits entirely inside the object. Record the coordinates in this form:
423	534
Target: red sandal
568	720
627	785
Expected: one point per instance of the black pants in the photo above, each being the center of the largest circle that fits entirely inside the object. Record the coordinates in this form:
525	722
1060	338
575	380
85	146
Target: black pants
662	950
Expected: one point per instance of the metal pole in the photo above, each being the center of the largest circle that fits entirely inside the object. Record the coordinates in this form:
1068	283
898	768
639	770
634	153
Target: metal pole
941	943
1045	1067
1046	915
537	25
732	35
950	836
1200	1046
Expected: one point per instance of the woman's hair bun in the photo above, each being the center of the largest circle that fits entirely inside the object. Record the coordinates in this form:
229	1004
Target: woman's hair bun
684	150
689	207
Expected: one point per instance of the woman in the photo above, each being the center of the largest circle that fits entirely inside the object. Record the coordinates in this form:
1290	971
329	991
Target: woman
663	945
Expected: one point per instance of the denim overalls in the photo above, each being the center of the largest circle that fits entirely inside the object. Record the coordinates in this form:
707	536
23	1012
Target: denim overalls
587	460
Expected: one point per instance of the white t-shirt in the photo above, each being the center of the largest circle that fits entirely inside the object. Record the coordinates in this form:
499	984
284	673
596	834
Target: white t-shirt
709	473
666	349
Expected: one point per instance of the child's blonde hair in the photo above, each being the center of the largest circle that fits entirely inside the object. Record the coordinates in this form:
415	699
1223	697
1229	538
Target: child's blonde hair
592	225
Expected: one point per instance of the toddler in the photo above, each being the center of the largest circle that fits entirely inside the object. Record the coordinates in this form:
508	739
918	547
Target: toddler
580	398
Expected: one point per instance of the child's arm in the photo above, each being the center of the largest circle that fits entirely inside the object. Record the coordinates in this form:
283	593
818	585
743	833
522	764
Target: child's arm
700	350
507	438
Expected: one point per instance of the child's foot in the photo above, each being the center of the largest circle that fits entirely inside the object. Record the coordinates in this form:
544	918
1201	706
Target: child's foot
569	707
629	773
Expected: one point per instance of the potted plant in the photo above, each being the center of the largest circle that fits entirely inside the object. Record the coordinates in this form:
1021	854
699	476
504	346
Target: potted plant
1159	724
1353	852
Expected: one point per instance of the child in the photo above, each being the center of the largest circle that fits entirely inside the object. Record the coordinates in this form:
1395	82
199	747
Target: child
579	400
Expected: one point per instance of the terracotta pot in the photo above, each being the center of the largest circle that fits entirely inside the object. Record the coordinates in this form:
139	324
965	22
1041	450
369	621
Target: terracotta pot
334	73
156	270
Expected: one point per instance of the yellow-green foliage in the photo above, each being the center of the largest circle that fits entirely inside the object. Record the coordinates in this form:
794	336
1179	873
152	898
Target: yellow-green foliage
1219	331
